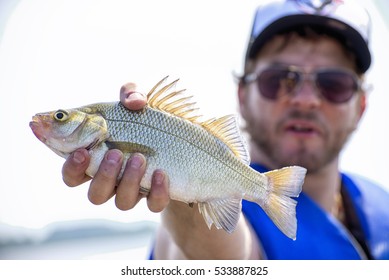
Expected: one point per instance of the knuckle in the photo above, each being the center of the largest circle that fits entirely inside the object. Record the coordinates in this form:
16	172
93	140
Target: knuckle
127	196
108	172
69	182
156	205
157	202
73	173
70	178
100	191
97	198
133	174
125	205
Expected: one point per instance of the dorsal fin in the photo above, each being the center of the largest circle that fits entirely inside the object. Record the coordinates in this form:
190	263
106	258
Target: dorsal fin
175	102
180	104
226	129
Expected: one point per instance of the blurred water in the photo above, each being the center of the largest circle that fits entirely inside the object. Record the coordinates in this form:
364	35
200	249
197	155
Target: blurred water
85	239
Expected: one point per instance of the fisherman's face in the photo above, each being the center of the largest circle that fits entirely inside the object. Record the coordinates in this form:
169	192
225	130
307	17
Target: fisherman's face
302	128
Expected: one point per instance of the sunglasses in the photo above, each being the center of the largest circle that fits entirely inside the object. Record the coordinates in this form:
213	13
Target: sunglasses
334	84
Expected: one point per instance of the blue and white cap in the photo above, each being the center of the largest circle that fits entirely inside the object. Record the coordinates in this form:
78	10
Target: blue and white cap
344	19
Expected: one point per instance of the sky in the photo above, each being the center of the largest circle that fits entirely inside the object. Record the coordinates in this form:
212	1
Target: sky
66	53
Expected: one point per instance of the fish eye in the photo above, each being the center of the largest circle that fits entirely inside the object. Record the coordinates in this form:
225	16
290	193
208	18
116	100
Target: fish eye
61	115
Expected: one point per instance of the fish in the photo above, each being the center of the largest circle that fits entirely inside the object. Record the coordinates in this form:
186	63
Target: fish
207	160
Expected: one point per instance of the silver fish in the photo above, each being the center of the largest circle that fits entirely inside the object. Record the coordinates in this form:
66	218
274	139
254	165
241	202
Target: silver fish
207	161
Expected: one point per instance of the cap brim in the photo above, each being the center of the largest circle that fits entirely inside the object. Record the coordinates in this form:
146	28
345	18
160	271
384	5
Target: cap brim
348	35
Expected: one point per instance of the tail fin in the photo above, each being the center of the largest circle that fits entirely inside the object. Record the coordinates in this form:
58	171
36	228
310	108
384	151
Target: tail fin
280	207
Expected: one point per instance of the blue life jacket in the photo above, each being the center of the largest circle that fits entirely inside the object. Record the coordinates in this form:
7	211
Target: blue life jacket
320	235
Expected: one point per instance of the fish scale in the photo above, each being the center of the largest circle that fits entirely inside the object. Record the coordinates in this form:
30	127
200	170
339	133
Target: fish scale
160	131
206	161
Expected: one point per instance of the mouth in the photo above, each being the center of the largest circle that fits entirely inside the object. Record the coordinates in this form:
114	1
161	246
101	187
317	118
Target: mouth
36	127
302	128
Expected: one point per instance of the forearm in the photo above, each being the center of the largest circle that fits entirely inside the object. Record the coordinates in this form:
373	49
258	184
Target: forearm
184	234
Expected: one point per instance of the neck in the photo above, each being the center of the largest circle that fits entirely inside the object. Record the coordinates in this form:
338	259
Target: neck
323	186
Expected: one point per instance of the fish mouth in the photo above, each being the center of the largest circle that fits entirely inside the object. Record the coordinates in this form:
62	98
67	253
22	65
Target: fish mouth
37	129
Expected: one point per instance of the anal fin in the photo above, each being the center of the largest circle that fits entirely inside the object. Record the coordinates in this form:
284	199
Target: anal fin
223	213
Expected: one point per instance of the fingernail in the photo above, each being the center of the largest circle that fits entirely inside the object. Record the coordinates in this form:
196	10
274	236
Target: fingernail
136	161
114	156
134	95
159	176
79	157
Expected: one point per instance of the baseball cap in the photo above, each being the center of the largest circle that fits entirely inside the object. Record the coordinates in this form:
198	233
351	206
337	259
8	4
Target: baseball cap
343	19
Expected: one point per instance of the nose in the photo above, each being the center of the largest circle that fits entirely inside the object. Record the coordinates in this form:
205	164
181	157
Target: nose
306	95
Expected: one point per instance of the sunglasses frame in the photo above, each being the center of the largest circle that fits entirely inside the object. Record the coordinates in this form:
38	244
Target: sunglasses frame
303	76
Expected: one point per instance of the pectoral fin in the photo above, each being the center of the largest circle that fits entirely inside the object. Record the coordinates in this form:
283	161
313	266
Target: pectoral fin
223	213
130	148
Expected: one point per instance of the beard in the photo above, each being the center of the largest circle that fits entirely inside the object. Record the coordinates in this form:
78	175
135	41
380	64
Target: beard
277	154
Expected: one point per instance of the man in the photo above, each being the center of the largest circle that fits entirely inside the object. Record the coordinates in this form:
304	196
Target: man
301	97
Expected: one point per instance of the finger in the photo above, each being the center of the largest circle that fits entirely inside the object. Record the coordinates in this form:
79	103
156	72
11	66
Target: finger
73	170
127	193
158	198
131	98
103	184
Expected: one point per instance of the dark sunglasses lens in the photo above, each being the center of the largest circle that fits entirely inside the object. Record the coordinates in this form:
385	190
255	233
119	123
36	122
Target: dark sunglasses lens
270	82
336	86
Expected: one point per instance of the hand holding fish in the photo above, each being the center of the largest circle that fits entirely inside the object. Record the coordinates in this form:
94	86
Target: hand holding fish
103	184
179	220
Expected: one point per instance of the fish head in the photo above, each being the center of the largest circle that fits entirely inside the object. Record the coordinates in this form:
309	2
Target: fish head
65	131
